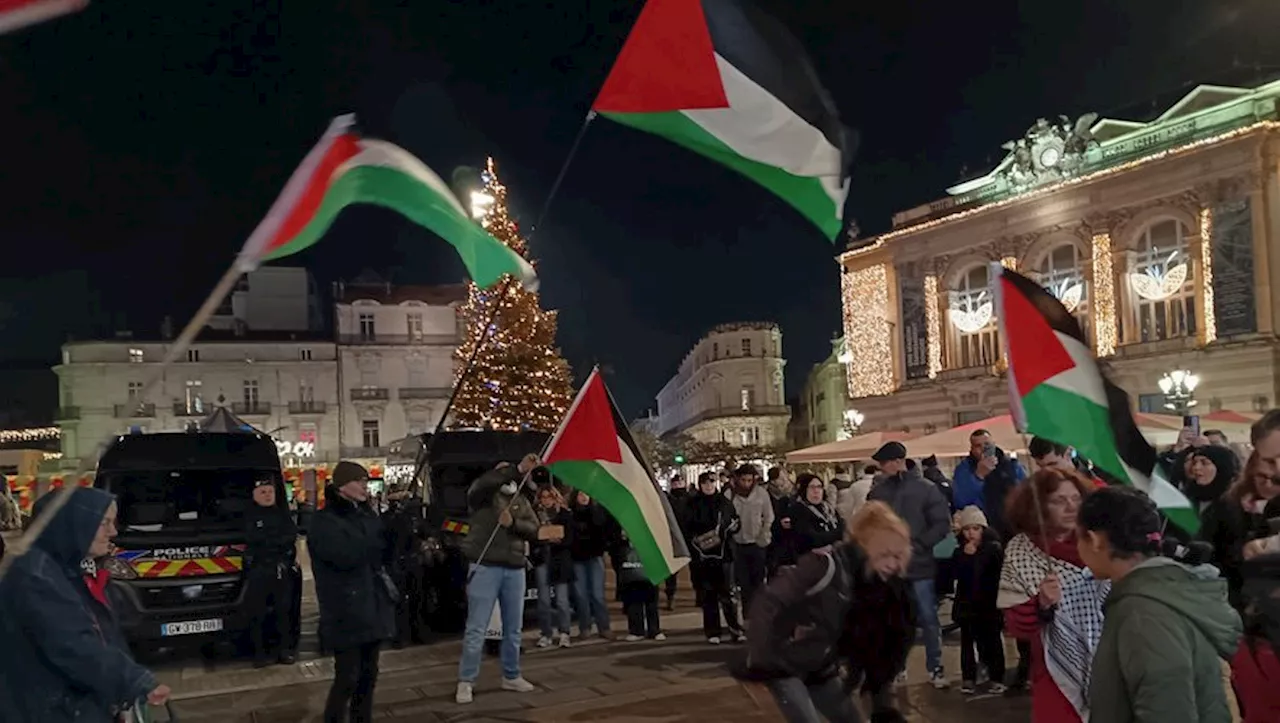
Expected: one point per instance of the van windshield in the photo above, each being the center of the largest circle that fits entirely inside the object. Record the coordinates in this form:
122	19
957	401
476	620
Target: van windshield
183	500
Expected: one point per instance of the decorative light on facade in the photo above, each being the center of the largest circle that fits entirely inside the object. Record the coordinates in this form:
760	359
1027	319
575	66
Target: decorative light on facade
1160	281
865	293
1104	296
1046	190
1070	293
933	324
30	434
1206	275
1010	262
971	314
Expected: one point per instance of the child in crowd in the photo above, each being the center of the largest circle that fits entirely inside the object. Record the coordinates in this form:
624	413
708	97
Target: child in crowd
639	596
976	564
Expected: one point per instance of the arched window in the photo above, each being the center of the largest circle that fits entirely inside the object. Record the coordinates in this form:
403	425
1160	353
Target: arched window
973	322
1062	273
1161	288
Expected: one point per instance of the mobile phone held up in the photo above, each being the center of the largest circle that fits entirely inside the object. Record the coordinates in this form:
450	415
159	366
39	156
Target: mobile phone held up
1192	422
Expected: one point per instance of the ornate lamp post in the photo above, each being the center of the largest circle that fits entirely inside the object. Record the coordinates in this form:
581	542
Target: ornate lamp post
1179	389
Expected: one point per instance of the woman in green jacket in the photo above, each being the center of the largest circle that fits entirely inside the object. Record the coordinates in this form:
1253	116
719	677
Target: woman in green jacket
1168	626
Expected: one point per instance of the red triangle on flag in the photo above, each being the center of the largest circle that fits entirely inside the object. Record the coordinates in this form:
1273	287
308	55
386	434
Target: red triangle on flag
589	432
667	64
1035	353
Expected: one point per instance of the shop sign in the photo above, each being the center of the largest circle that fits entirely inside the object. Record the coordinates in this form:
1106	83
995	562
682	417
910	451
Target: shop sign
295	449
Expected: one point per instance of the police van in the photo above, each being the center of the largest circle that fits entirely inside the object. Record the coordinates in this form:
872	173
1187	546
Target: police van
181	498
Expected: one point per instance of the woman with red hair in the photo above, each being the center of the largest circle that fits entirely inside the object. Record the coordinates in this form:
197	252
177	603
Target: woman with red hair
1048	597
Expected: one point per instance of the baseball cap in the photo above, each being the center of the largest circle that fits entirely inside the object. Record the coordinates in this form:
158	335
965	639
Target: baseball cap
890	450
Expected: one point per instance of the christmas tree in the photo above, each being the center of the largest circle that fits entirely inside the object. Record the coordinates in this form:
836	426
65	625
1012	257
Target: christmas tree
520	381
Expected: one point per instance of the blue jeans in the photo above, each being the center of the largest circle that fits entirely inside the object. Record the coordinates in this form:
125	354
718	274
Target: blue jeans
925	596
542	578
588	591
489	585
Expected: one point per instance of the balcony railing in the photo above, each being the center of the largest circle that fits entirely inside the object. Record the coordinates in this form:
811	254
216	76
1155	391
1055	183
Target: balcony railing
135	410
400	339
425	392
182	409
307	407
251	408
370	394
361	452
67	414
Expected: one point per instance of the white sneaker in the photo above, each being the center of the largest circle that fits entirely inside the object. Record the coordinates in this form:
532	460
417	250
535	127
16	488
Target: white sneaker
544	642
463	696
518	685
660	637
633	638
938	679
713	640
564	640
901	679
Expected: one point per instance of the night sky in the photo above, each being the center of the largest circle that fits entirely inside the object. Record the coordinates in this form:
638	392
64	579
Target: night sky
145	140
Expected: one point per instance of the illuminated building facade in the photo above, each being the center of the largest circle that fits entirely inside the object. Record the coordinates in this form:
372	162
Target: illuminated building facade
1157	236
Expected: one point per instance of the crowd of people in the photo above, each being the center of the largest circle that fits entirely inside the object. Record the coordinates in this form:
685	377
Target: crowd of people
1115	614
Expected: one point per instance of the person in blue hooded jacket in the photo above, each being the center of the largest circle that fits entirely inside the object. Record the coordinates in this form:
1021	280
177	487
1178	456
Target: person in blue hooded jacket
984	479
65	659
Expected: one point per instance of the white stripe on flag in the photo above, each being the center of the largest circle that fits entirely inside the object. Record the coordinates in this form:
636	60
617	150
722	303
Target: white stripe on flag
633	476
1084	379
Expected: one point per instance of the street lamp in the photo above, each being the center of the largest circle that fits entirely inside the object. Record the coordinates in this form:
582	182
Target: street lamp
481	202
853	419
1179	389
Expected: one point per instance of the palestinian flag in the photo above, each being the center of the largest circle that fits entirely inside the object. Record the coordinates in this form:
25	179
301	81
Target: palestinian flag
1057	391
345	169
16	14
593	451
722	79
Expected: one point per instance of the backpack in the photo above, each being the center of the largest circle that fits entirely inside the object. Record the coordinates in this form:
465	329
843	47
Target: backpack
811	630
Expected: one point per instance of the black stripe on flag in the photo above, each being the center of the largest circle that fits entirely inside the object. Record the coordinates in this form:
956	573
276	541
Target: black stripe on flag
678	546
1131	445
767	53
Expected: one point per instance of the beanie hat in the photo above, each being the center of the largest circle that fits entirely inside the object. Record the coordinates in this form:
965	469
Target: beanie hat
346	471
971	516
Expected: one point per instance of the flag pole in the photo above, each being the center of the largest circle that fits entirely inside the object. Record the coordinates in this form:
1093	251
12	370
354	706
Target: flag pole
188	335
564	170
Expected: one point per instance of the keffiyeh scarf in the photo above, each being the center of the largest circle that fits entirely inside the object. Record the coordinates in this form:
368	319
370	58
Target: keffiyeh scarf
1071	637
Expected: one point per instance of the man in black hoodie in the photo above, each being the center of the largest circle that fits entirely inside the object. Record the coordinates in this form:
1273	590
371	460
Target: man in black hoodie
679	499
270	553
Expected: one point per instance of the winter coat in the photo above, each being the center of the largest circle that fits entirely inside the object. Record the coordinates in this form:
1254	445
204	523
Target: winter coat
755	511
919	503
1168	627
702	514
1228	526
270	539
827	612
938	478
591	534
977	578
814	526
348	546
64	657
555	555
486	499
628	567
782	547
850	495
988	494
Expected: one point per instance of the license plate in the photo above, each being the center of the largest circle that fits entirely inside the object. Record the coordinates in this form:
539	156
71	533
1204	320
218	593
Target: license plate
191	627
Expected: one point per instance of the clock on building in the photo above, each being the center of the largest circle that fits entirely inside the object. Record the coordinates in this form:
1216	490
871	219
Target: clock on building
1050	156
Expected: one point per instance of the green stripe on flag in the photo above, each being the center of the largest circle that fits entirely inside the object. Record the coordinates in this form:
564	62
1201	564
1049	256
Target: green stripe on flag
485	257
1066	417
804	194
593	479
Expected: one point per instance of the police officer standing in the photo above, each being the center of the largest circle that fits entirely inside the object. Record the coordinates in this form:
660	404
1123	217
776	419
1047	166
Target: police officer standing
269	576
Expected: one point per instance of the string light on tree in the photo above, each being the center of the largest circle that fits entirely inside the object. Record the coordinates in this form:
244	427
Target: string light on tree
30	434
520	382
865	294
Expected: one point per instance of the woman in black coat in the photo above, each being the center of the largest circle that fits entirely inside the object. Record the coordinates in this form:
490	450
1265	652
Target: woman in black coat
814	521
708	520
356	595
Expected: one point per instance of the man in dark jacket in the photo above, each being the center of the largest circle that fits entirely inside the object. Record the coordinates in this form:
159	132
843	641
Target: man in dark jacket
64	658
406	562
503	524
919	503
356	596
679	499
269	575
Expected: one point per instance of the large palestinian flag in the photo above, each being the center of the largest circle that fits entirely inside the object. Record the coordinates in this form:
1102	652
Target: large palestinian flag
1057	391
593	451
15	14
345	169
722	79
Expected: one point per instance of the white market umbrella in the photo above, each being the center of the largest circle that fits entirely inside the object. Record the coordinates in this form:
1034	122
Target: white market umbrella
846	450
